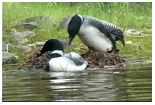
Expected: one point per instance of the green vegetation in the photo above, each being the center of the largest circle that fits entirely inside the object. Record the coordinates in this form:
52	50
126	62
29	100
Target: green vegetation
122	14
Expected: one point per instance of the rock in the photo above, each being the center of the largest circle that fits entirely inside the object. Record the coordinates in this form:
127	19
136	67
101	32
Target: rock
133	32
29	25
20	36
64	43
64	21
128	42
42	20
24	48
19	39
129	31
145	34
28	34
8	58
7	47
32	45
147	27
24	34
39	43
136	33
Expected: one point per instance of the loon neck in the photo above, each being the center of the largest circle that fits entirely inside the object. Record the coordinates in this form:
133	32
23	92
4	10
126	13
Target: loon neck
55	54
60	52
82	19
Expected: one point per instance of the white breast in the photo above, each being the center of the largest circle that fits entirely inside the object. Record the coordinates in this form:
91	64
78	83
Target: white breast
65	64
93	38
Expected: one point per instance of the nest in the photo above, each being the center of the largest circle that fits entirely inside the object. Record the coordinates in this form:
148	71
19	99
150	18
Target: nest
99	59
96	59
38	62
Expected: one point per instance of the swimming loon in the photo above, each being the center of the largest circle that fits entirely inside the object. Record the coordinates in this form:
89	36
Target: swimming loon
96	34
60	61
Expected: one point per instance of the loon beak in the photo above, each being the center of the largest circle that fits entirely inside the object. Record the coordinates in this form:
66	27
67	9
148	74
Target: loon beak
123	42
71	37
70	40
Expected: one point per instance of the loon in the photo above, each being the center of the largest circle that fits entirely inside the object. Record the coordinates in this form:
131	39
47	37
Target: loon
60	61
96	34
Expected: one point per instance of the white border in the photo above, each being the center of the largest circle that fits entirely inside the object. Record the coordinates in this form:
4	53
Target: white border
71	103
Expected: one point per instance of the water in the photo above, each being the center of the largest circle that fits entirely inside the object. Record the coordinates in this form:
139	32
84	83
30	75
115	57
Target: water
131	83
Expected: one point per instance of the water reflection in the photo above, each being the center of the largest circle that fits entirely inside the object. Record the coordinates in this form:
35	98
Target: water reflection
133	83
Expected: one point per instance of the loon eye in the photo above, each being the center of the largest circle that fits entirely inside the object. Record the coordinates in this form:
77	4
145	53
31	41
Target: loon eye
117	38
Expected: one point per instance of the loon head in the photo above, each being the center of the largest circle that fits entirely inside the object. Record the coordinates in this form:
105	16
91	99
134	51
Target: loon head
74	26
51	45
119	36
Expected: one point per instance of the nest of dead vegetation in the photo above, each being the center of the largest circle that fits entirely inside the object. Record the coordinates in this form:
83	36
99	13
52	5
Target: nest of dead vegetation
38	62
96	59
99	59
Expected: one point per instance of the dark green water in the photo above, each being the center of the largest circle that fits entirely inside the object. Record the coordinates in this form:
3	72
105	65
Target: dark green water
131	83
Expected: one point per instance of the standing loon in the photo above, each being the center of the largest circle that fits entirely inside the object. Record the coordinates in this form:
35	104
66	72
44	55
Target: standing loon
70	61
94	33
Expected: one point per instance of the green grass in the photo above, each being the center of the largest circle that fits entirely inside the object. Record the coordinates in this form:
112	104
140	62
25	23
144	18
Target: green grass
122	14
